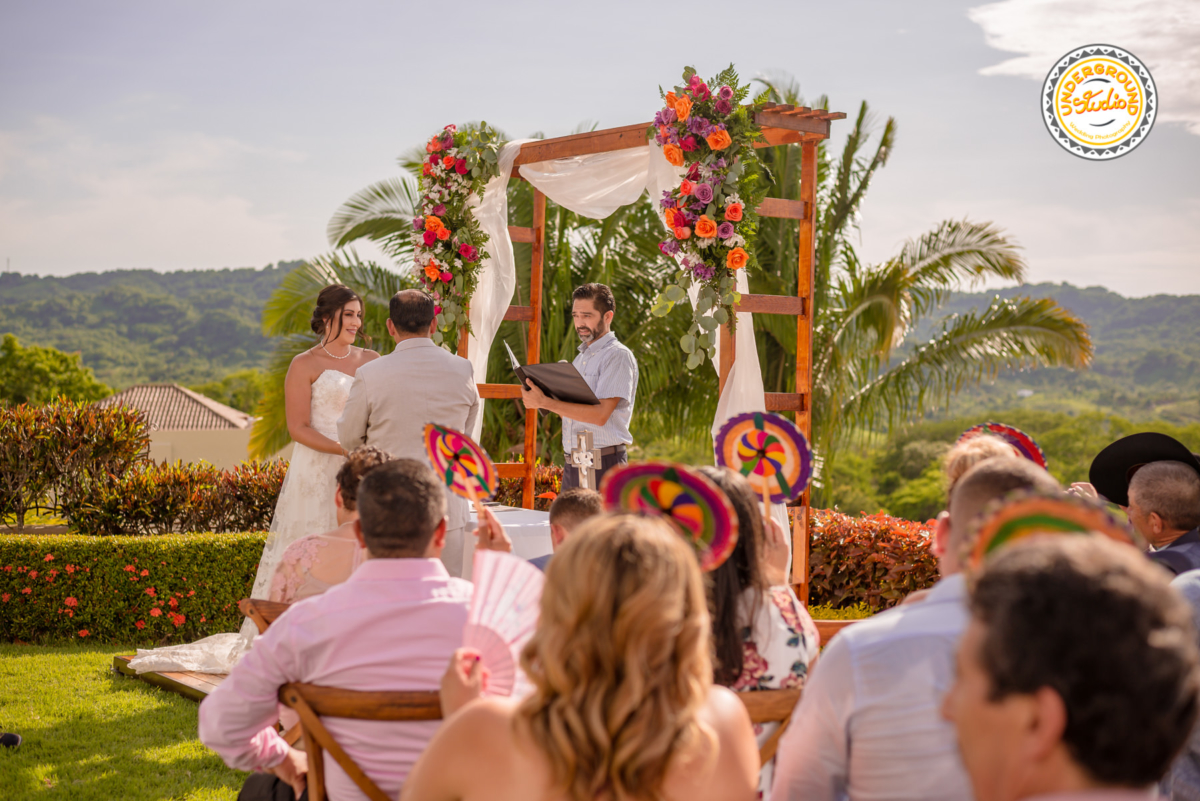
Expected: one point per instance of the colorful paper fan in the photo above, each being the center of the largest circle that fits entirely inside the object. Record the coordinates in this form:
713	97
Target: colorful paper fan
769	451
504	613
1021	442
460	462
688	500
1030	514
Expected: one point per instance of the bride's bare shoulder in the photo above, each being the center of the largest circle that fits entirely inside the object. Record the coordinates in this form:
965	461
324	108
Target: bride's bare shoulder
306	363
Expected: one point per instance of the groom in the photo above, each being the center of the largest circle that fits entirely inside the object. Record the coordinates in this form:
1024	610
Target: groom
392	398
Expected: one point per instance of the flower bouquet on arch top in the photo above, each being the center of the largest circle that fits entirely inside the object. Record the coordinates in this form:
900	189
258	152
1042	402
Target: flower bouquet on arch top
710	216
448	244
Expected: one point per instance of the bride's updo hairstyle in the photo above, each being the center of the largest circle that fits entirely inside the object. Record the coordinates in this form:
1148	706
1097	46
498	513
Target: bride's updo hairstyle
330	303
620	659
361	461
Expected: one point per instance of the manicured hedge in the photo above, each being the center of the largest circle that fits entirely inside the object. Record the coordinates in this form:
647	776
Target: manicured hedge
128	589
872	559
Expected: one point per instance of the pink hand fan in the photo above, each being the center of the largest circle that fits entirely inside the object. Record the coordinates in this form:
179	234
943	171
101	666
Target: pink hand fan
504	613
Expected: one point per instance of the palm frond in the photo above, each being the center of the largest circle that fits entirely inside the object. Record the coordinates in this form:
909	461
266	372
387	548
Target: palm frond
383	213
955	254
270	433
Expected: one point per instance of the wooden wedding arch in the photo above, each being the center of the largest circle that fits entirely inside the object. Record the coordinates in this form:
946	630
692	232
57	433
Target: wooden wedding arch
781	125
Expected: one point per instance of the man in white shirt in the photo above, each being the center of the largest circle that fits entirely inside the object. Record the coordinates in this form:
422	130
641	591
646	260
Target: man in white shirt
393	397
868	725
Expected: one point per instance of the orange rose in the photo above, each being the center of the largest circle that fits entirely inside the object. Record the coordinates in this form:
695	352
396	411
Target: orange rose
448	162
683	107
674	155
443	234
669	216
433	145
733	212
737	259
683	232
663	131
705	228
433	224
671	99
718	140
432	272
426	169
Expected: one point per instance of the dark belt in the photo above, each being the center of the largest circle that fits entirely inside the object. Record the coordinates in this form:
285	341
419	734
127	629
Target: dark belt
609	451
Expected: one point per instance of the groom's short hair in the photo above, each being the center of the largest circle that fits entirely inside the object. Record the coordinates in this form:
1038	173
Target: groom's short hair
400	505
411	311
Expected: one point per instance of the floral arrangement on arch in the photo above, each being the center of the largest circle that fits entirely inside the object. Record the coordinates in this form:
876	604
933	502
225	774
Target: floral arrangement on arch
448	244
710	215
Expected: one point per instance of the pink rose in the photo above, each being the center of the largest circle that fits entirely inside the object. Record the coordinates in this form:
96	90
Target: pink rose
430	238
447	278
461	167
439	210
418	223
437	309
468	252
688	144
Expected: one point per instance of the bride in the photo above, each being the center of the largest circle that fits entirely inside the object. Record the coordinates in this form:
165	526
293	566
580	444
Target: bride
315	391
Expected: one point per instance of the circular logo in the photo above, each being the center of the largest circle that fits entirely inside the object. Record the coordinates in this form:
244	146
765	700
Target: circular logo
1099	102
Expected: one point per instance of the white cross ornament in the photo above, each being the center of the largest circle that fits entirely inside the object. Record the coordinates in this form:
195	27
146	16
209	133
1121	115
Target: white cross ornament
586	458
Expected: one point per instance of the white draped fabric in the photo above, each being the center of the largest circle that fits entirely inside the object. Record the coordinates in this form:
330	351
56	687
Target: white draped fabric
595	186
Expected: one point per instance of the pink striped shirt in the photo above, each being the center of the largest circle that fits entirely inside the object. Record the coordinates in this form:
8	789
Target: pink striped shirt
391	626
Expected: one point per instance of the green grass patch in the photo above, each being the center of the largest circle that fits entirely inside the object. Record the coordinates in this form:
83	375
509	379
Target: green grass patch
92	734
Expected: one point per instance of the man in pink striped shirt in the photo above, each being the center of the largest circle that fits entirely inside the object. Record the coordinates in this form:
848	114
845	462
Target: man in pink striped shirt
392	625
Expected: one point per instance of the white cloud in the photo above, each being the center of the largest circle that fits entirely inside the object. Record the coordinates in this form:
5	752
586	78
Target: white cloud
1165	34
73	201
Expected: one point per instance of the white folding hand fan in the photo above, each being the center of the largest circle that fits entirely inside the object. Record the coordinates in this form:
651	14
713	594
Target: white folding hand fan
503	616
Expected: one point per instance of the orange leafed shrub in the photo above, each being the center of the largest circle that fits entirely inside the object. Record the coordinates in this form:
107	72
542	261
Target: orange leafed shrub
872	559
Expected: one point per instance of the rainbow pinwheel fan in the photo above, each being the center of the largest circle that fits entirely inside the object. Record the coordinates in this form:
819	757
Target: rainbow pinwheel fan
1025	514
461	463
503	616
1021	442
685	498
769	451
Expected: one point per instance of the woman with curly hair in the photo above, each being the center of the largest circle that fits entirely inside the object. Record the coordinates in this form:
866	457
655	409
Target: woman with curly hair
624	706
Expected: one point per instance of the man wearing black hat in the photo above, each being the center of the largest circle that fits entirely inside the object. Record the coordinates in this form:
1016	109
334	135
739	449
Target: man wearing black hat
1156	479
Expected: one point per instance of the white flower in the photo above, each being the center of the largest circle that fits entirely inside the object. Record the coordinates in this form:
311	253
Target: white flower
705	242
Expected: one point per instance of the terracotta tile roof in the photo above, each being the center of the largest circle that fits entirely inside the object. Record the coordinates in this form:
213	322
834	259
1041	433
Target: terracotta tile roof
170	407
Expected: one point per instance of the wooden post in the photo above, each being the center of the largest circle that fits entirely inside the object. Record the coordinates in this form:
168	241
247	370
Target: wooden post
804	323
533	347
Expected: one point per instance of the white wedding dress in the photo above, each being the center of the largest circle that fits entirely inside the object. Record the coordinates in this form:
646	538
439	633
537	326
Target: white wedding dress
305	506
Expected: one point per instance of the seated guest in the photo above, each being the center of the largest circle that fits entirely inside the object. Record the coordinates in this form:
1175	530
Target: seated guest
868	725
623	707
1164	506
1077	676
313	564
1182	782
390	626
764	638
571	508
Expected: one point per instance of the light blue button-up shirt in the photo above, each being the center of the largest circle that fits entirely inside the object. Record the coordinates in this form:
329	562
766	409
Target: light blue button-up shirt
611	371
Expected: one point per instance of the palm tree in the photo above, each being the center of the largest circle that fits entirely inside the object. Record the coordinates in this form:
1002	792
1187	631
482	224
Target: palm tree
864	374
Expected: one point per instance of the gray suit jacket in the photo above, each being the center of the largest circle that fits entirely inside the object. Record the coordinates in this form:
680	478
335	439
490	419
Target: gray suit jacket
393	397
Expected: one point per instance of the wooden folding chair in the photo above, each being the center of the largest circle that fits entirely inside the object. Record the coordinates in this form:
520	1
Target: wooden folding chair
312	702
829	628
770	706
263	613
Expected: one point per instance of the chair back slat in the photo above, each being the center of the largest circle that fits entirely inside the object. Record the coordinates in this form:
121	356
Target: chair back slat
828	629
311	701
263	613
770	706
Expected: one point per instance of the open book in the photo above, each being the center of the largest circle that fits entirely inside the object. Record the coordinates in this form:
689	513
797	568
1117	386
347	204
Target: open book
558	380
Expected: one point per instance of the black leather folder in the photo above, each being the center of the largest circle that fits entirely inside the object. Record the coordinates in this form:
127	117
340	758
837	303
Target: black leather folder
558	380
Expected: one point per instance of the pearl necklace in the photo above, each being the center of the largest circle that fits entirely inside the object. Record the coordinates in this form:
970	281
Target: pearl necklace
330	355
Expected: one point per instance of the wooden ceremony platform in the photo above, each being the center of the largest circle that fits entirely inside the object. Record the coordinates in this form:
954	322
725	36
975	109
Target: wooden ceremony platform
191	685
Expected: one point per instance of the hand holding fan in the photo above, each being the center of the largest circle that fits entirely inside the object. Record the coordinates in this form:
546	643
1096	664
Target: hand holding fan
769	451
461	463
688	500
503	616
1021	442
1030	514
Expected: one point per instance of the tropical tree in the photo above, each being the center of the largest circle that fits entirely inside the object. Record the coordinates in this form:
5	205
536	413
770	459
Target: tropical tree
39	375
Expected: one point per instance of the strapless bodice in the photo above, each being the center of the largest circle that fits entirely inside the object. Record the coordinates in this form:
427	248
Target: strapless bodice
330	392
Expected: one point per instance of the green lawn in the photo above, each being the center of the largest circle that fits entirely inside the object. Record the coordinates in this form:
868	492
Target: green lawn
93	734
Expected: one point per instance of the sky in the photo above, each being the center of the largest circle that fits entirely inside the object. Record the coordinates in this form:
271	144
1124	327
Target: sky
193	135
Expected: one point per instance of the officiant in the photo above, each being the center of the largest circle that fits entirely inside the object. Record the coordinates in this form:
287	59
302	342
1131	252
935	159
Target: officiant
611	371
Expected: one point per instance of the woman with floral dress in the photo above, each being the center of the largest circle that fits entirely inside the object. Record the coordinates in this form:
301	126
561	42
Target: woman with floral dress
763	635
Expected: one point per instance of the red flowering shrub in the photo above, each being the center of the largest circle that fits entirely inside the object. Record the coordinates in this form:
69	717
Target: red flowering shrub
871	559
191	588
547	479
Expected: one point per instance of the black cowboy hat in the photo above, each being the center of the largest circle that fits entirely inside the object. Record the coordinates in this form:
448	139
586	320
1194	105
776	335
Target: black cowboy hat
1115	465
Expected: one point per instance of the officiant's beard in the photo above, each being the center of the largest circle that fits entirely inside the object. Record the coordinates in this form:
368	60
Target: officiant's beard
590	335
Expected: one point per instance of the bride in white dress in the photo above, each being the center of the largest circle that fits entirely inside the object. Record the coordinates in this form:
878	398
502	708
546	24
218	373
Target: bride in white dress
315	392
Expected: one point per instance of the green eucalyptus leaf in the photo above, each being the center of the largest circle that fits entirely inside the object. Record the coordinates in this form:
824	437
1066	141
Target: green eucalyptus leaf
674	293
721	316
707	323
688	343
695	359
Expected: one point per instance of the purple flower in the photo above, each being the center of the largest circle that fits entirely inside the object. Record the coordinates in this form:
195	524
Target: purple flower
697	125
725	230
669	247
439	210
665	117
703	193
725	93
418	223
719	164
703	271
724	106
